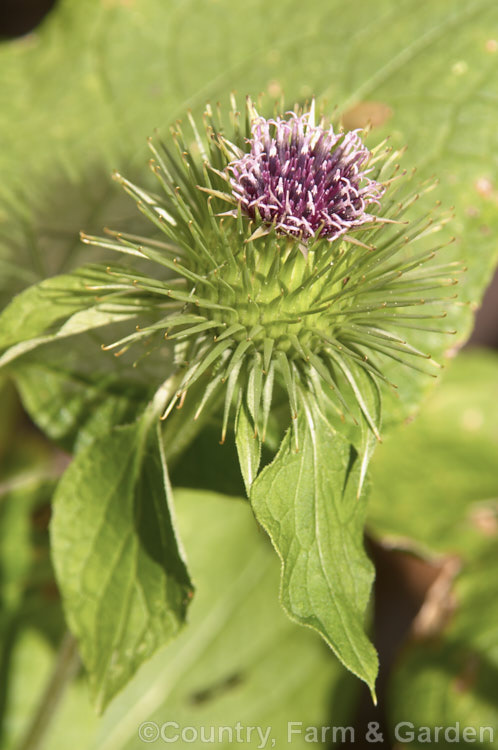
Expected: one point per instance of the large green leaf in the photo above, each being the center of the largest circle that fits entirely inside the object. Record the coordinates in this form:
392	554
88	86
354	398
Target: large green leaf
434	489
122	577
307	501
218	671
449	679
434	481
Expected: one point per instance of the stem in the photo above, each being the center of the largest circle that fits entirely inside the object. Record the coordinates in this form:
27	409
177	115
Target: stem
66	665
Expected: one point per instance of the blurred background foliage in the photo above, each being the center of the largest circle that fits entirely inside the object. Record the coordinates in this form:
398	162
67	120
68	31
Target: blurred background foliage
79	95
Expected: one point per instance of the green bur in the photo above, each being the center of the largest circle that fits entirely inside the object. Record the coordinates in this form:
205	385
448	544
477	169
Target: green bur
251	306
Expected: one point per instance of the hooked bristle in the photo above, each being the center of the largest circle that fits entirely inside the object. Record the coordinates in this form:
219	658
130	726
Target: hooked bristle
303	284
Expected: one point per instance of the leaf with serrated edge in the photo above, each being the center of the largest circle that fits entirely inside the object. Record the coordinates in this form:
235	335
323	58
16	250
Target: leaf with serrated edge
123	580
307	502
217	672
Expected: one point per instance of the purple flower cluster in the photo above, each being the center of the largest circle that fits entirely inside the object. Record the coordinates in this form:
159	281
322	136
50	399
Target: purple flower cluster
303	178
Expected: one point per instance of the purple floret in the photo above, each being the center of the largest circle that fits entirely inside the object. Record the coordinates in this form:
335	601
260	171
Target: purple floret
303	178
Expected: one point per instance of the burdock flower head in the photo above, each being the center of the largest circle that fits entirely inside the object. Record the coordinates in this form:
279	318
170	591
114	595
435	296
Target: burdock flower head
304	179
282	263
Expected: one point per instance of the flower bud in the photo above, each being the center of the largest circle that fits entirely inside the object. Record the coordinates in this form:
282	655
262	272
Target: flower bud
290	262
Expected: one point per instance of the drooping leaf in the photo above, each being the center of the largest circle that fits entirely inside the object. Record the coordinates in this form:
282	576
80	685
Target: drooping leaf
217	672
307	502
124	582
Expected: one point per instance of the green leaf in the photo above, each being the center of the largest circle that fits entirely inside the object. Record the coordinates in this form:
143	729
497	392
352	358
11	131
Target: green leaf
123	580
75	393
307	502
248	446
217	672
434	482
39	308
435	489
451	677
73	408
32	317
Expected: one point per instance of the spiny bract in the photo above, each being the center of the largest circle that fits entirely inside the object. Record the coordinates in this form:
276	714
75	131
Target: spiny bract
277	273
